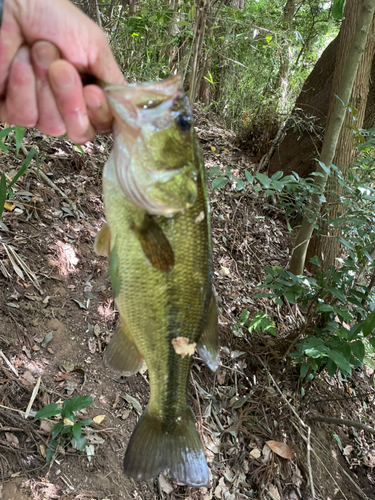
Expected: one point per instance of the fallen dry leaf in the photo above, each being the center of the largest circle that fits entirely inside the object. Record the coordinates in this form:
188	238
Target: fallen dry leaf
117	398
12	439
9	207
68	422
281	449
43	450
274	491
165	485
255	453
182	347
98	419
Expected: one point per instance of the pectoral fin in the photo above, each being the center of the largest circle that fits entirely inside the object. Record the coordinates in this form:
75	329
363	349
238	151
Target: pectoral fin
103	241
208	345
155	245
122	355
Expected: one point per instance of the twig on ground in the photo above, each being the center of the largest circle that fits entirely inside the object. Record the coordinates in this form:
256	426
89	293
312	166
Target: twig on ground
9	363
339	421
33	396
39	172
319	459
305	426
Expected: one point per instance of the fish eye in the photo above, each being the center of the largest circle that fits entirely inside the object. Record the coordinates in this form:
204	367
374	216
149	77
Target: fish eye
183	122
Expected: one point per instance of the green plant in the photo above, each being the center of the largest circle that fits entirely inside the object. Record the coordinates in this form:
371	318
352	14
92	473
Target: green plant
260	323
6	189
67	430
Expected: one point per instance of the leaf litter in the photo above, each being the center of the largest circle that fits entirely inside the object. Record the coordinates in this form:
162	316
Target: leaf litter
255	444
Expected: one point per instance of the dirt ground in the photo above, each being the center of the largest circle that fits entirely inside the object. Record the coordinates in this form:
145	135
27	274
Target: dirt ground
52	281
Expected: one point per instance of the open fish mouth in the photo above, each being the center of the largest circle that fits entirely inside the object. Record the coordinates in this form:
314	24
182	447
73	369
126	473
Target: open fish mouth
153	145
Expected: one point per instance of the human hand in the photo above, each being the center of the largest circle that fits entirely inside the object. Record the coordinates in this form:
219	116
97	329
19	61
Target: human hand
40	83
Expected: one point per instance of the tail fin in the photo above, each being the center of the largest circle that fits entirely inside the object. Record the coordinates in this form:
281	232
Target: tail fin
153	449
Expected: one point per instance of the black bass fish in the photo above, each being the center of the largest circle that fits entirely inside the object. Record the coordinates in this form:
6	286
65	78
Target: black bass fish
158	241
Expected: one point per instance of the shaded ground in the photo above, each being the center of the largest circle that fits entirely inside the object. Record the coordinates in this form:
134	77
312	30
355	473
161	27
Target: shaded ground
51	281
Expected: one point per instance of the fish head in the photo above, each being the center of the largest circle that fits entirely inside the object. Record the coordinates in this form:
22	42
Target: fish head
154	145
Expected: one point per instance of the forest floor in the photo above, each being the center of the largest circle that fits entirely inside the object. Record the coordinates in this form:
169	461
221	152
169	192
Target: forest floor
255	426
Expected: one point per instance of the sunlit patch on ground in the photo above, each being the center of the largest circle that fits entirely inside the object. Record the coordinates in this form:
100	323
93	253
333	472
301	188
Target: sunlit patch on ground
66	259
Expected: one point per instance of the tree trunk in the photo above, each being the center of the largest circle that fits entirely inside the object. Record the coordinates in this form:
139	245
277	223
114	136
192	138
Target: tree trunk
350	65
281	83
304	130
328	247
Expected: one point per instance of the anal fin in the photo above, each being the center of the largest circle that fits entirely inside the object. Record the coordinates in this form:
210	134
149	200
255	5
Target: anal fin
122	355
153	449
208	345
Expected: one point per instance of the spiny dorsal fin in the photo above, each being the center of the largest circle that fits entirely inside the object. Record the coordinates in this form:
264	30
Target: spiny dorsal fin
155	245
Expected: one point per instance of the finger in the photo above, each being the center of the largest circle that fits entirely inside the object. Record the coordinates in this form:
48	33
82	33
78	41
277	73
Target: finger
67	88
20	107
43	54
98	110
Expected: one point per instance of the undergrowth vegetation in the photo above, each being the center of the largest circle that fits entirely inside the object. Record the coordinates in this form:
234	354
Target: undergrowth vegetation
242	52
337	303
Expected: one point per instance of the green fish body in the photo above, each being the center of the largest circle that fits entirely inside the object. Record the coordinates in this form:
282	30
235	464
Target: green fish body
160	262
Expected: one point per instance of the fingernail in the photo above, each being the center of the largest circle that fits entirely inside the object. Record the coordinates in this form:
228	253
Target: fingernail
92	99
44	54
64	78
23	55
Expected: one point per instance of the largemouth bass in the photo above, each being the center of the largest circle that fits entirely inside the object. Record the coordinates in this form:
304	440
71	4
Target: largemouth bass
158	240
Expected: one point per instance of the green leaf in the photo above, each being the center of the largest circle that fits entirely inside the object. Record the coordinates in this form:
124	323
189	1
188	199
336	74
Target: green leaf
219	182
340	361
84	422
81	443
343	313
264	180
52	447
369	362
324	167
303	371
324	308
331	367
3	192
57	429
358	349
337	293
369	324
49	411
346	244
355	329
240	185
67	429
249	177
77	430
277	175
338	9
338	440
24	166
19	137
79	149
76	404
315	261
